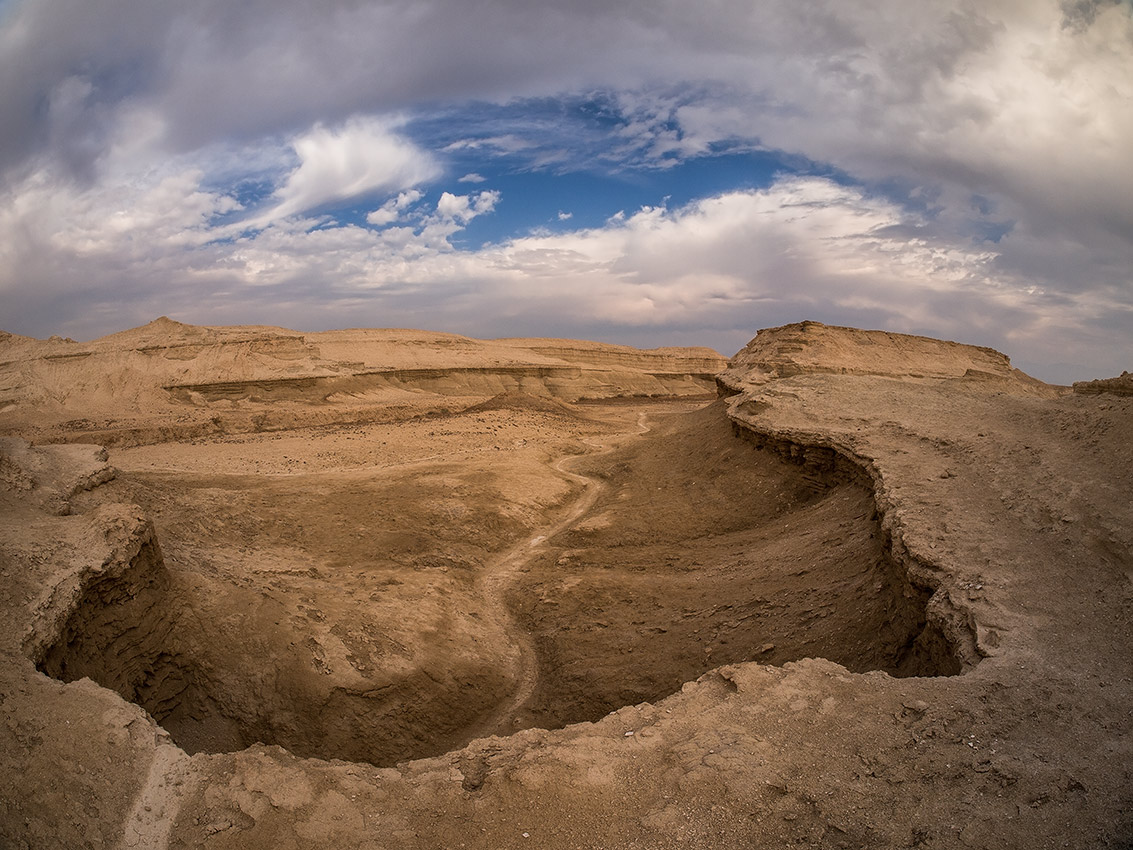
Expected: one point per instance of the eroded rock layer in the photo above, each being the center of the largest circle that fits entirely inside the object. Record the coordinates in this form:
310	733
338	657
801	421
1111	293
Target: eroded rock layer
169	380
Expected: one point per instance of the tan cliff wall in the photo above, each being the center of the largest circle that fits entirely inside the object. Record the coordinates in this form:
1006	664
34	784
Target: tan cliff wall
758	385
944	642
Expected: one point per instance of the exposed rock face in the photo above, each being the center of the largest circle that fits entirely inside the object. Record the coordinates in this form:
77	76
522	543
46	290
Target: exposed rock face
891	470
815	348
1121	385
52	475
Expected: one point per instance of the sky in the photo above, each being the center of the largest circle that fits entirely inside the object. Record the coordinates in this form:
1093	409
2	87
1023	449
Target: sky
645	172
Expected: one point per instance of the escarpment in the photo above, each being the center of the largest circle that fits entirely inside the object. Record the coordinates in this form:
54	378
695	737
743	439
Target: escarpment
802	391
943	641
120	629
706	546
222	675
563	382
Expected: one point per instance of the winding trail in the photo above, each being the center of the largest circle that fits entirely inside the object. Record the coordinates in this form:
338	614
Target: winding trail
501	574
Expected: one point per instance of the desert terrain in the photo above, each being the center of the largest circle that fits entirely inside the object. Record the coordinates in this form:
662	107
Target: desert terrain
401	589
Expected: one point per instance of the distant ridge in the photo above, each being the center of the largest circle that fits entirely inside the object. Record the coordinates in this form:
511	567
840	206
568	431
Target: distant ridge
240	378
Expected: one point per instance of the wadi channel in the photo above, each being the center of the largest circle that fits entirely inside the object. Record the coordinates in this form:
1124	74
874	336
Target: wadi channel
406	589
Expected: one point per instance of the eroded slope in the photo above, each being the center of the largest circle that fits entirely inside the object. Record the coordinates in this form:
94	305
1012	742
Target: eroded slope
704	550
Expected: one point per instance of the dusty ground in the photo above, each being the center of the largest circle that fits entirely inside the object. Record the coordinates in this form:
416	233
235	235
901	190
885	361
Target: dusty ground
398	589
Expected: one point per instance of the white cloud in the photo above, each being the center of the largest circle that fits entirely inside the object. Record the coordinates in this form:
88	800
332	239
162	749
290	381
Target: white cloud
1000	99
121	222
802	237
464	208
472	177
727	265
361	157
394	209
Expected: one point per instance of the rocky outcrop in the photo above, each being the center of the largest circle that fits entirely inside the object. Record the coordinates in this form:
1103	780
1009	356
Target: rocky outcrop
112	621
53	475
766	408
130	626
660	361
1122	385
945	643
815	348
569	383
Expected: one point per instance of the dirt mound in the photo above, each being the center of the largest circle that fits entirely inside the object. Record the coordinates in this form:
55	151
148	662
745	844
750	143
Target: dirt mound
523	401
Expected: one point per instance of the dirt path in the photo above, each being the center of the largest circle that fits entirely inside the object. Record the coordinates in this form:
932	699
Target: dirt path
500	575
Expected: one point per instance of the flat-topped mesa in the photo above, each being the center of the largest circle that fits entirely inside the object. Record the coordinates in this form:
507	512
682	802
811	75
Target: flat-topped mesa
812	347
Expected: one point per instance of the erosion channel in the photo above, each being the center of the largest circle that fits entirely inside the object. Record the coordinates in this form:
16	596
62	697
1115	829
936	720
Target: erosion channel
391	591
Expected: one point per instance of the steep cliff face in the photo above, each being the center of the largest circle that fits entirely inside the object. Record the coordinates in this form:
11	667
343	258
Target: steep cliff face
943	639
567	382
910	416
218	674
781	387
663	361
118	626
1122	385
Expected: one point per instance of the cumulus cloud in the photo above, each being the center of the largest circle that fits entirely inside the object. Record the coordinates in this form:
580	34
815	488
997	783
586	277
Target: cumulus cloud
394	208
362	157
801	242
1001	100
463	208
804	247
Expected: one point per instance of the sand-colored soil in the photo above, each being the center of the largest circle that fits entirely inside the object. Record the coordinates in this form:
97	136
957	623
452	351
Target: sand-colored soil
399	589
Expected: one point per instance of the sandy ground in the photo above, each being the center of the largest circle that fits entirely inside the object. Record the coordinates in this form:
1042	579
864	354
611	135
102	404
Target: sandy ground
879	595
